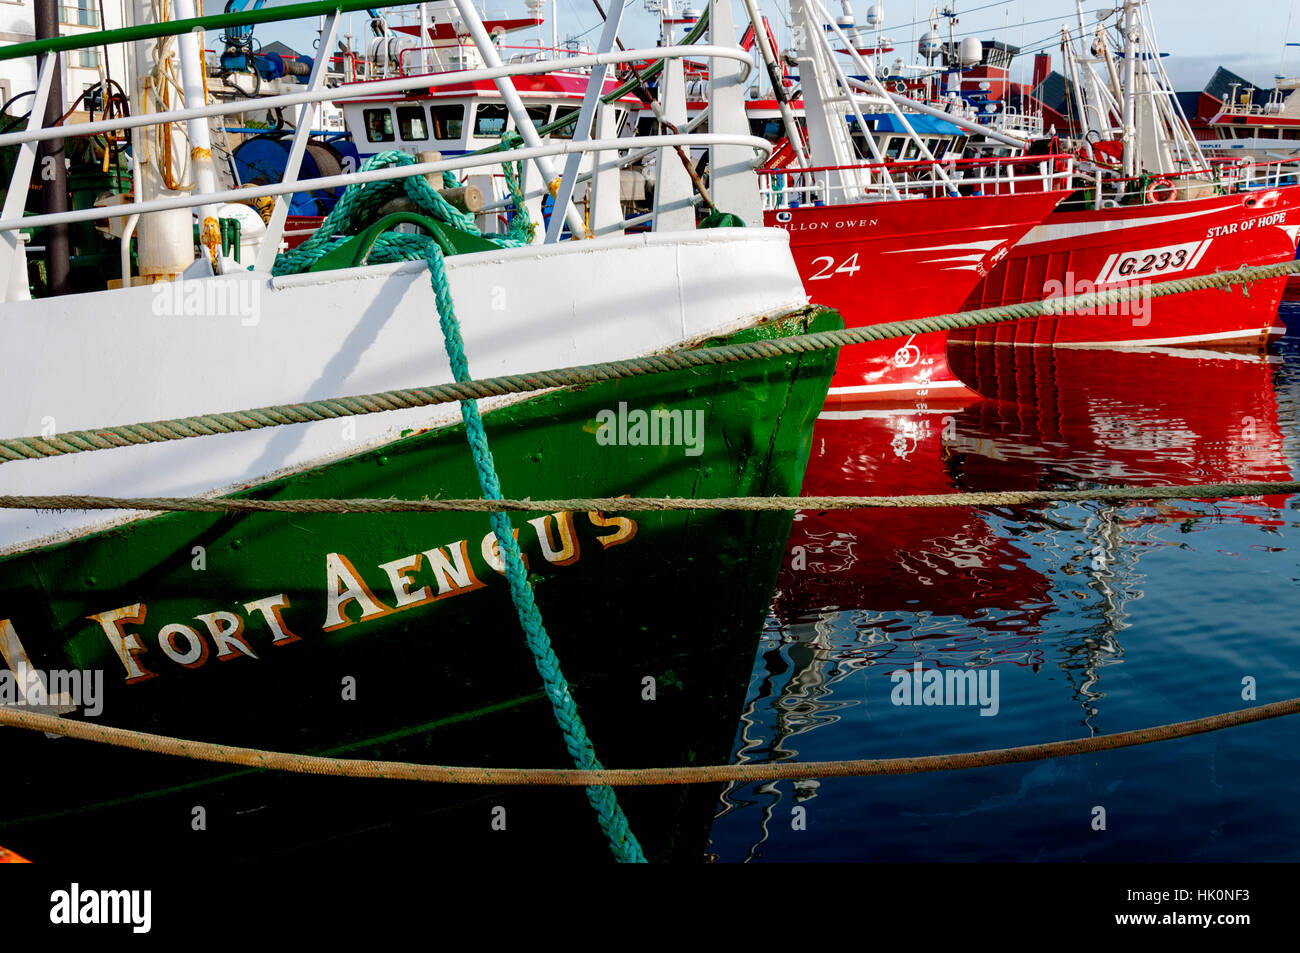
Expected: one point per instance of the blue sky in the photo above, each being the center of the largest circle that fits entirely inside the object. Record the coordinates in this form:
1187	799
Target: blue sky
1247	36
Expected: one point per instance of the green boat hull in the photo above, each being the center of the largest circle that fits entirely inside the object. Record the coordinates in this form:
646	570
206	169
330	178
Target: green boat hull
654	617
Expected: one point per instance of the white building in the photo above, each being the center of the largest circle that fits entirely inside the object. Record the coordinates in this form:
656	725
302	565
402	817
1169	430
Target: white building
81	69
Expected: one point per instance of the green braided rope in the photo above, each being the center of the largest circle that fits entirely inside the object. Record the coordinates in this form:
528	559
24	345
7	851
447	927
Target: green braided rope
612	819
522	228
180	428
359	206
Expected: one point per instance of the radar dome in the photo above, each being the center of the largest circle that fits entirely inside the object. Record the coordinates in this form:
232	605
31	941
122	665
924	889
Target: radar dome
930	45
876	15
972	51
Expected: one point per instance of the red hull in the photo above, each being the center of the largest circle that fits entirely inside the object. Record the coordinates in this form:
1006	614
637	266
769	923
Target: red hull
878	262
1075	252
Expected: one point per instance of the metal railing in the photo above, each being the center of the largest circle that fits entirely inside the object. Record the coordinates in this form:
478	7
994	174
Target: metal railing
1221	176
12	219
843	185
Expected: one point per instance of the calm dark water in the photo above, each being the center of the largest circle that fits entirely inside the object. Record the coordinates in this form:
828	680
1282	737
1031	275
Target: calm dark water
1095	618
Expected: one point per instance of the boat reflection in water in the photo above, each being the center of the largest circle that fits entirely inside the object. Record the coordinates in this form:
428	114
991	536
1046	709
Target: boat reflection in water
1039	593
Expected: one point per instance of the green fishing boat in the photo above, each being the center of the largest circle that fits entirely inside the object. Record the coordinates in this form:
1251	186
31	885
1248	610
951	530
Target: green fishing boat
374	634
394	637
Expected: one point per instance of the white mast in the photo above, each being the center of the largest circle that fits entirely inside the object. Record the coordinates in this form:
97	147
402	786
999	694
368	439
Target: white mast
1131	35
826	95
778	90
1093	100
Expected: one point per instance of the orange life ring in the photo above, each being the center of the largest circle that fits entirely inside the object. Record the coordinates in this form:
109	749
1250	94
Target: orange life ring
1161	190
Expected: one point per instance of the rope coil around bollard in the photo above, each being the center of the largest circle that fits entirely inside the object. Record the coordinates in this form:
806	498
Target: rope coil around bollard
181	428
632	777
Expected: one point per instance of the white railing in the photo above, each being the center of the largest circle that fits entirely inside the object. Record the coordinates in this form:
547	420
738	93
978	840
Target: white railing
1250	175
1025	125
844	185
12	219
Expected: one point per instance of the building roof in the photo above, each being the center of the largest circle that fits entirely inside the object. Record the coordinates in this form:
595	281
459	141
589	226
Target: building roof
1054	91
276	46
1221	83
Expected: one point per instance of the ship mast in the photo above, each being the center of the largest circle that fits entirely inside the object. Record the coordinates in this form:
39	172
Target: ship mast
1131	35
779	92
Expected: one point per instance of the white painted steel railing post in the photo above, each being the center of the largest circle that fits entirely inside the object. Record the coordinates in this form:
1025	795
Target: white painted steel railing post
523	124
674	206
21	180
731	180
582	131
270	246
606	179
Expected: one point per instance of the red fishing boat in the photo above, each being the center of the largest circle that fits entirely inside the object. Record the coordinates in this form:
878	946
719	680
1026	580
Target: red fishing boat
1155	209
900	258
1076	251
883	240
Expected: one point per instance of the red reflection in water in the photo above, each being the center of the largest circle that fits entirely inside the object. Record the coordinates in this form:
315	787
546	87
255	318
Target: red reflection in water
1048	418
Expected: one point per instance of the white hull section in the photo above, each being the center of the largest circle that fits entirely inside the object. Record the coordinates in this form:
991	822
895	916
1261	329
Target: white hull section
238	342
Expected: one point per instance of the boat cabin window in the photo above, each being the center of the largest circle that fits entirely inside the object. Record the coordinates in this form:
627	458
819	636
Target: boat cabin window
860	145
411	124
769	129
490	119
893	146
566	131
540	115
940	148
647	125
379	125
913	150
448	121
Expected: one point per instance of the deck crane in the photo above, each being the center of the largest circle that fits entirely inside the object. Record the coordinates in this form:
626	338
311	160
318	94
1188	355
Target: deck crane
241	53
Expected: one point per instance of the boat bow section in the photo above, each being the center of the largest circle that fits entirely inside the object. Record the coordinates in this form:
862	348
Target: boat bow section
393	636
239	342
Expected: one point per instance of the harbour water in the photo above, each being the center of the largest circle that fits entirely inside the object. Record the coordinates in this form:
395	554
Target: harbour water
1077	619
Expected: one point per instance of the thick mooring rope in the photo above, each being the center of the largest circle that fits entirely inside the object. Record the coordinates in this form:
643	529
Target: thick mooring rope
627	504
631	777
181	428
